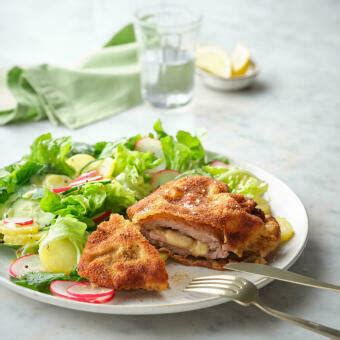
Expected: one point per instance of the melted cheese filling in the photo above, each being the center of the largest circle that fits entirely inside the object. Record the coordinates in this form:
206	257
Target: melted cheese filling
177	239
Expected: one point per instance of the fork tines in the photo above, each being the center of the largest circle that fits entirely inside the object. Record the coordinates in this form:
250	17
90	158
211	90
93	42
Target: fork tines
215	284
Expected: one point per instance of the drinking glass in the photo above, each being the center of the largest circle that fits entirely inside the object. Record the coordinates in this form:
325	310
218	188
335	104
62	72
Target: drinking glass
167	36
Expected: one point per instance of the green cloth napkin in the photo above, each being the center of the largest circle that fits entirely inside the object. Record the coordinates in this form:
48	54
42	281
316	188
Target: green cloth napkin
106	83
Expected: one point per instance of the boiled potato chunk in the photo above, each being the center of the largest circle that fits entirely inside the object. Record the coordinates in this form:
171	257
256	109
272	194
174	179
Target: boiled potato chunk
77	162
59	256
263	204
56	181
21	240
13	229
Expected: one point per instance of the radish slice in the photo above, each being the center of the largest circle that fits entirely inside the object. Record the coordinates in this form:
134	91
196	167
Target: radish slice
85	290
61	189
163	176
102	216
19	220
219	164
85	180
148	144
85	175
102	299
59	288
154	146
77	183
25	264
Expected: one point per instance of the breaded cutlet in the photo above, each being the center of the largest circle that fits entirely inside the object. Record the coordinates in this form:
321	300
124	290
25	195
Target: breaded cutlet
199	222
118	256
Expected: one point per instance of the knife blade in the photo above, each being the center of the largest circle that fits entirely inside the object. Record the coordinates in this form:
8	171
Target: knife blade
282	275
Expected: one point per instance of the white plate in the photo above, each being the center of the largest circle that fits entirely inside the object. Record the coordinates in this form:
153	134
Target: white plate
284	203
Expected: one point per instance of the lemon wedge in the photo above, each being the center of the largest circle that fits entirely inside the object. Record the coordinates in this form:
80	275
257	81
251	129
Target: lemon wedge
240	60
287	231
214	60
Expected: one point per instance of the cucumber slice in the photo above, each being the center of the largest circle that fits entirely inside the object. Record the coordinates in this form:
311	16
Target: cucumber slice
104	181
30	208
23	208
93	165
80	160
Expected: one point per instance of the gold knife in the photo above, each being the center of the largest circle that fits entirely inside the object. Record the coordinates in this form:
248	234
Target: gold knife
280	274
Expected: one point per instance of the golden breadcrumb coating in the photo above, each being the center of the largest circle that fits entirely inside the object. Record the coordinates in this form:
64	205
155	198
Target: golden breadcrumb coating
118	256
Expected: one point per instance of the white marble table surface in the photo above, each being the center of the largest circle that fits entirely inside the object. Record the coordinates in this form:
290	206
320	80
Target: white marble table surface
288	123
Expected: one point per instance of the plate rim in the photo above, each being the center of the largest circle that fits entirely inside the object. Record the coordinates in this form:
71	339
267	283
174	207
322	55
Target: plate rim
162	308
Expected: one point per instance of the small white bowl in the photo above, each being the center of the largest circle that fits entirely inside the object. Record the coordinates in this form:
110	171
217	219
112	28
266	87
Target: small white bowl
229	84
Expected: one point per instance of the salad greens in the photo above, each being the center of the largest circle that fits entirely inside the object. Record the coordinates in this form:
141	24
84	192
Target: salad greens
185	152
47	155
66	228
52	153
131	169
66	200
88	200
40	281
15	176
239	181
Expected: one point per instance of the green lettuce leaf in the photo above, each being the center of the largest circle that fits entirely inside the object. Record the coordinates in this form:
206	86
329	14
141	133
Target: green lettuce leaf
66	227
131	142
107	149
159	129
52	153
118	198
89	200
194	144
183	153
239	181
95	194
98	148
47	155
131	169
40	281
17	175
